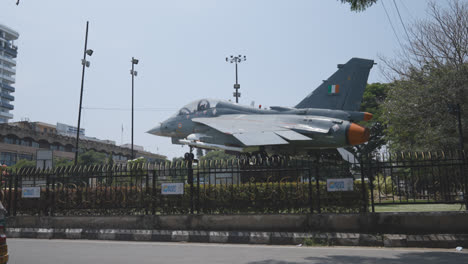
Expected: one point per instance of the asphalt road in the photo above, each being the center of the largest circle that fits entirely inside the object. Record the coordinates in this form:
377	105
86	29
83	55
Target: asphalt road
37	251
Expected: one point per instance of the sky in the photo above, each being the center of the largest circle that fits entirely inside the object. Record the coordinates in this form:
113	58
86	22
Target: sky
291	46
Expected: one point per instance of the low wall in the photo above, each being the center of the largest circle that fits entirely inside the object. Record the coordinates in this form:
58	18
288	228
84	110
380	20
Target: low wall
377	223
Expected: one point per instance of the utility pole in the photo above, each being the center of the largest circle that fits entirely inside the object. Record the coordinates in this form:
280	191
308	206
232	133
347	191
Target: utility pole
236	60
85	64
133	73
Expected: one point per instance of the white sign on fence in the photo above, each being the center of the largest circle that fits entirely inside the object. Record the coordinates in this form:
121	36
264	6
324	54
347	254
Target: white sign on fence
172	188
31	192
340	185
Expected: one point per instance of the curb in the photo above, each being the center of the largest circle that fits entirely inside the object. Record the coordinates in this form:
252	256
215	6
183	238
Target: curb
272	238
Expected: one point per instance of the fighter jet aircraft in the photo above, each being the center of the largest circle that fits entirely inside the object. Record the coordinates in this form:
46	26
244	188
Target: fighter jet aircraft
323	120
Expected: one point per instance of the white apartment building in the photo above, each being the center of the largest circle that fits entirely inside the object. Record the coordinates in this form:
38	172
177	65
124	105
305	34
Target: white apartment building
8	52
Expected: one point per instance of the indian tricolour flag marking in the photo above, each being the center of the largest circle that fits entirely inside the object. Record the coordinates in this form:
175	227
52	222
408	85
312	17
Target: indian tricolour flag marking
333	89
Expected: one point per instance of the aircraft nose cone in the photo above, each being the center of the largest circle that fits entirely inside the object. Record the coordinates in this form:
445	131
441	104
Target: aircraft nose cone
357	134
156	131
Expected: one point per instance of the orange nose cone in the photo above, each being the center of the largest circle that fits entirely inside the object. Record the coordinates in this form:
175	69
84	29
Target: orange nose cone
367	116
357	134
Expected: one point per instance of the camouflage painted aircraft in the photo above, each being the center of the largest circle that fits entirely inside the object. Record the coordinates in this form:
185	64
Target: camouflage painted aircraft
323	120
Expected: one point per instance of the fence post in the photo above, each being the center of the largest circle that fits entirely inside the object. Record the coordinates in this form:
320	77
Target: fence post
46	200
310	190
52	207
156	171
317	182
16	195
371	181
365	200
465	176
190	181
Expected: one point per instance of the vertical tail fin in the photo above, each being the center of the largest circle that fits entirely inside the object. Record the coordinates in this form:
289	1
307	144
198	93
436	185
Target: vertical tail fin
343	90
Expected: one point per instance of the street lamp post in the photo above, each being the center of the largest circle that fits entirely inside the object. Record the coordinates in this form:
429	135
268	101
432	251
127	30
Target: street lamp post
133	73
85	64
236	60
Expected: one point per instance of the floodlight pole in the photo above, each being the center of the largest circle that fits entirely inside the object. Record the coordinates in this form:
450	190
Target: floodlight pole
133	73
236	60
85	64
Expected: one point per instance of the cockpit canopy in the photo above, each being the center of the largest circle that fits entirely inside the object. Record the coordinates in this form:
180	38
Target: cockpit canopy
199	105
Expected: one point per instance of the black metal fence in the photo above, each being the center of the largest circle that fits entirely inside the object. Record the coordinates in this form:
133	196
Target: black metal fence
238	186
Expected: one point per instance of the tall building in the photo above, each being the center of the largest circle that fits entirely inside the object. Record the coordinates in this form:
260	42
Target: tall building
8	52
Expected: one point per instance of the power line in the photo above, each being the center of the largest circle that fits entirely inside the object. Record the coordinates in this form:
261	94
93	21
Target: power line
149	109
401	20
403	24
407	9
393	28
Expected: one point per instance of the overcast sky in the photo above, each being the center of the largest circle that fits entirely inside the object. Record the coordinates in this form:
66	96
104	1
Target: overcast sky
291	46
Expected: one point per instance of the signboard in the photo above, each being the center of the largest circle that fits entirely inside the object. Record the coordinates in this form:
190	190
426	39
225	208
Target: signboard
44	159
31	192
172	188
340	185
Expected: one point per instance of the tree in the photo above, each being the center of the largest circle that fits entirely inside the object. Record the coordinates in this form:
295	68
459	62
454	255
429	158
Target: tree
62	162
22	163
91	157
373	98
359	5
217	155
430	74
199	153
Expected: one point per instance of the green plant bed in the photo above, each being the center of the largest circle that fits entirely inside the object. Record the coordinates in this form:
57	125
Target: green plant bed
419	207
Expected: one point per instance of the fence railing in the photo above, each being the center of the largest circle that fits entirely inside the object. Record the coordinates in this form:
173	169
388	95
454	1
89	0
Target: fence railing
301	185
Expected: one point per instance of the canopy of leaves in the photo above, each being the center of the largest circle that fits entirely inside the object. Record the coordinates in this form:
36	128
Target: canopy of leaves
373	98
359	5
430	74
217	155
22	163
91	157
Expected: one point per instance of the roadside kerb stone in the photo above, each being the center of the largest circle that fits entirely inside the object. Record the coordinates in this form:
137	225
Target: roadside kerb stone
45	233
276	238
346	239
13	232
141	235
394	240
199	236
91	234
28	233
124	235
106	234
180	236
282	238
218	237
161	235
371	240
238	237
298	238
259	238
73	233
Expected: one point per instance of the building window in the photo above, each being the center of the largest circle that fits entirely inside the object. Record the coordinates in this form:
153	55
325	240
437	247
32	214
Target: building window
34	144
25	157
8	158
8	140
25	142
11	140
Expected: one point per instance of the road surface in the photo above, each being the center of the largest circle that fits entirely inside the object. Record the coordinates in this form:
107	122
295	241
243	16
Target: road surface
38	251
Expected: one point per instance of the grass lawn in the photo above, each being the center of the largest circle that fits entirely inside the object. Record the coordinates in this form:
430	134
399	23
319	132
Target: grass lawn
418	207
